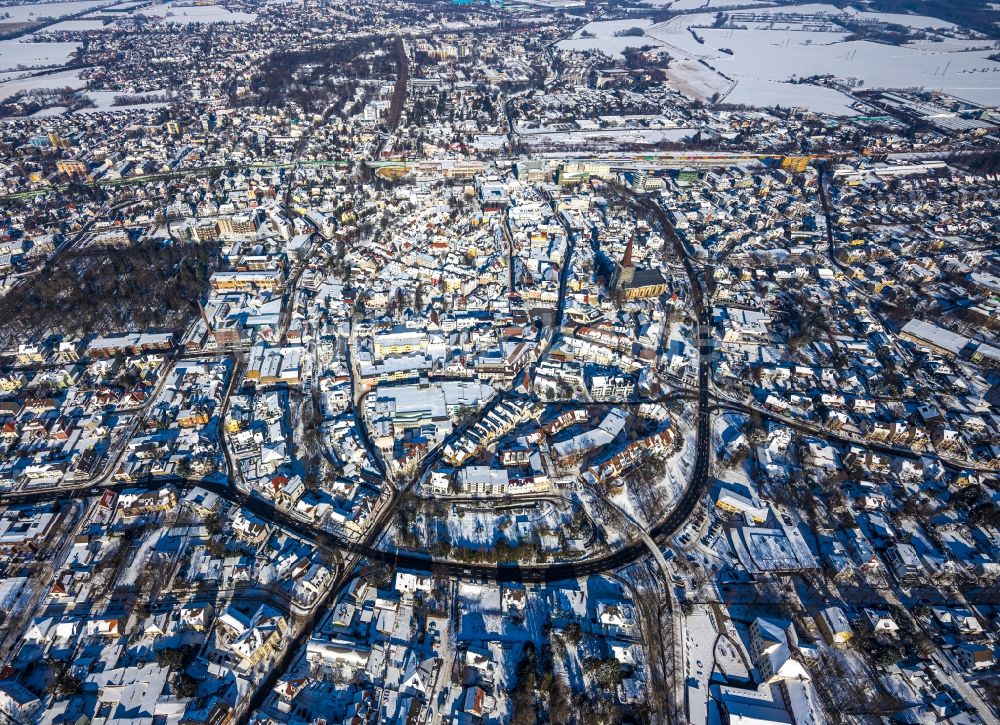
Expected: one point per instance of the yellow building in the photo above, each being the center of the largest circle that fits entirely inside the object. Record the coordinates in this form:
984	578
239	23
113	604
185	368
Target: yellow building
72	168
239	224
399	342
734	503
833	624
634	284
192	418
795	164
11	383
246	281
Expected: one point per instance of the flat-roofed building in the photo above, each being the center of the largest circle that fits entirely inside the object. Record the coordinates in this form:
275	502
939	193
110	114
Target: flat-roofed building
264	280
933	337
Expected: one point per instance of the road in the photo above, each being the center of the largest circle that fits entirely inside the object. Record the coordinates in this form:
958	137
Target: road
14	631
509	572
357	551
503	572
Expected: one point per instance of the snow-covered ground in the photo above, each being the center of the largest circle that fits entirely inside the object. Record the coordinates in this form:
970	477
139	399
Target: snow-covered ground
49	112
105	102
482	529
679	467
605	39
700	637
138	561
707	4
617	136
186	14
73	25
117	10
15	54
917	22
63	79
731	655
762	61
36	11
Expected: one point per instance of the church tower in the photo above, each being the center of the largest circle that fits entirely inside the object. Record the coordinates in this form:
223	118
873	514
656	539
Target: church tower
626	270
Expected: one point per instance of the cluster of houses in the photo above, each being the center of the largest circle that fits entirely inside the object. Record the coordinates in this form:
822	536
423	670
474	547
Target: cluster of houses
414	647
179	435
101	621
65	422
848	369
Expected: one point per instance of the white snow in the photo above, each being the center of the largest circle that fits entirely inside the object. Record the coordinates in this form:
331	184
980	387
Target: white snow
708	4
917	22
197	14
105	101
63	79
51	111
15	54
764	60
604	38
482	529
73	25
608	28
761	92
700	637
36	11
616	135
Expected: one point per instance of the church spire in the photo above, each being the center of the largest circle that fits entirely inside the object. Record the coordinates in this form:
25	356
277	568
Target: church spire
627	257
626	271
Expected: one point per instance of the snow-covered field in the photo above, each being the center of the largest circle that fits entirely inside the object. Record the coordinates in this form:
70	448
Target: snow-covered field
15	54
917	22
482	529
119	9
73	25
186	14
707	4
36	11
779	56
63	79
49	112
762	62
604	36
105	101
70	79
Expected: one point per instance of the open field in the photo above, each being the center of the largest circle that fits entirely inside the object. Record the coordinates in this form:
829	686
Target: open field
760	65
